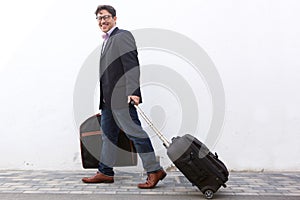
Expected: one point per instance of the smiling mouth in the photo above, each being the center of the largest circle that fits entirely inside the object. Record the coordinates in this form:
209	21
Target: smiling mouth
104	24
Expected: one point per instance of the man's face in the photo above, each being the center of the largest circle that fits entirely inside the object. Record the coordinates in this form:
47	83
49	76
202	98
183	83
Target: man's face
106	21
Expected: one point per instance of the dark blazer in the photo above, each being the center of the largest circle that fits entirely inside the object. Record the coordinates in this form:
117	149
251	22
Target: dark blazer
119	70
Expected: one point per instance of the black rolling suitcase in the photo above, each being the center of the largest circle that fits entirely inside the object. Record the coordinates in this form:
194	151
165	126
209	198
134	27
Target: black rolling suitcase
198	164
202	168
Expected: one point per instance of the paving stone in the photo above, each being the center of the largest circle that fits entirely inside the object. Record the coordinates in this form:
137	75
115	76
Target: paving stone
240	183
81	192
128	192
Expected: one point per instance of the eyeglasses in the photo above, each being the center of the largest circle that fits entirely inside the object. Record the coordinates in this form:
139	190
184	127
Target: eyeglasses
105	17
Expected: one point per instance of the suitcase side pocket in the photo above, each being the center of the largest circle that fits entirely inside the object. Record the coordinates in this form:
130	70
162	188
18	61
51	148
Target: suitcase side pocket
189	167
216	166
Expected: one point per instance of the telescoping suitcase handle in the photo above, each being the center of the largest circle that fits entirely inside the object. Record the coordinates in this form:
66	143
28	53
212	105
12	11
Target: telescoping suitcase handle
165	141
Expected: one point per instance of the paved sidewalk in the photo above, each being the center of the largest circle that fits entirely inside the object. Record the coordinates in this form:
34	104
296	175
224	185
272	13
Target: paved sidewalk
278	184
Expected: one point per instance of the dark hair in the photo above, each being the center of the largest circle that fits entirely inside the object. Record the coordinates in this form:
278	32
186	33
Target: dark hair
109	8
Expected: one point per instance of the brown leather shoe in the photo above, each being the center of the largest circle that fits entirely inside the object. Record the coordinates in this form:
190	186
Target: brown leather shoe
98	178
153	179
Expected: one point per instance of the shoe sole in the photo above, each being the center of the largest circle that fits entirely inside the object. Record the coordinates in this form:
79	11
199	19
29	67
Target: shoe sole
99	182
164	176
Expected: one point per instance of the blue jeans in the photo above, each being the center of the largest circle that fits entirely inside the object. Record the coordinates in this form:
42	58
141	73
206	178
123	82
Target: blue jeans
127	120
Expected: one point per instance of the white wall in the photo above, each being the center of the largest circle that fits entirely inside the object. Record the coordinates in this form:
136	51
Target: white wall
254	44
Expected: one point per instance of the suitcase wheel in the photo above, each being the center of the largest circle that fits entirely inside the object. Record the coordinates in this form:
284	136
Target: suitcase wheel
208	194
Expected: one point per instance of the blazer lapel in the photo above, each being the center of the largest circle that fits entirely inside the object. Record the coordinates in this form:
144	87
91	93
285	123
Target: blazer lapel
109	41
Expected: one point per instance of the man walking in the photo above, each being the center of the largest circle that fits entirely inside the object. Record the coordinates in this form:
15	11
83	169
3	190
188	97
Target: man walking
119	85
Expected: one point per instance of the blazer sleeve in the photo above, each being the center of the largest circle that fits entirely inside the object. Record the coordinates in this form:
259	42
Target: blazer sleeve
130	62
